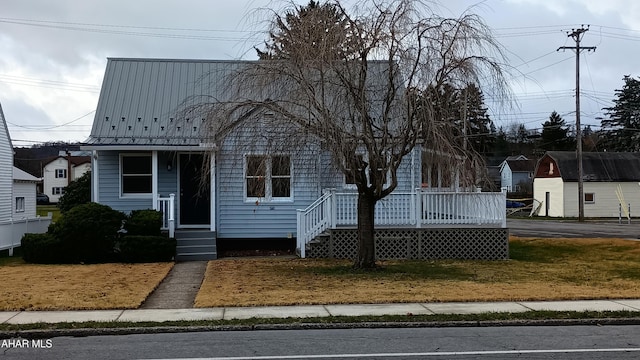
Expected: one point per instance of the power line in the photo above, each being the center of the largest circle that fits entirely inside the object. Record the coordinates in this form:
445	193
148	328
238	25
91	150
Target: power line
52	127
48	84
122	26
112	29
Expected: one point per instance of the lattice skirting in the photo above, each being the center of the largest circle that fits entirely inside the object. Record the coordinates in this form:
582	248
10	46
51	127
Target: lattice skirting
462	243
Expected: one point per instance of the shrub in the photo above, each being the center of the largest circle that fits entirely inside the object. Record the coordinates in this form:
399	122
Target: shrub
88	231
140	248
42	249
78	192
144	222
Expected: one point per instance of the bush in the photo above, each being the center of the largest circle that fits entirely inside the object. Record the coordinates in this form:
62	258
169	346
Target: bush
42	249
139	248
89	232
144	222
77	193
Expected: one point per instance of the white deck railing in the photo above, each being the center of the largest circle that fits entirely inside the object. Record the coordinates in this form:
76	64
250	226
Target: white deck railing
11	232
409	209
166	205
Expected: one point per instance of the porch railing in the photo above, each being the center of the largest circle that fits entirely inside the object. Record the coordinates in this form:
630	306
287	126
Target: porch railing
415	209
11	232
166	205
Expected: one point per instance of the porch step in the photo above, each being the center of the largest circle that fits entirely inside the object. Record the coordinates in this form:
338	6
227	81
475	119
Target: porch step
322	237
317	243
195	245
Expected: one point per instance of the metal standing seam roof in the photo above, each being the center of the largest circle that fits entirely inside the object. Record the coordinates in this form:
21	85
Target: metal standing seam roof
141	99
598	166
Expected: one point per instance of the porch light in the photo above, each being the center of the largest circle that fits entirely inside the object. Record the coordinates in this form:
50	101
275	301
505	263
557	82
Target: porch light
169	165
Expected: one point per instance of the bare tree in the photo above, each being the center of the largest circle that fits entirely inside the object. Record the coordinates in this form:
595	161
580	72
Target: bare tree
361	94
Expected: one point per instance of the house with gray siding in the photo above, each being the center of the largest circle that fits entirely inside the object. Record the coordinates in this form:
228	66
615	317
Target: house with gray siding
516	173
149	151
145	150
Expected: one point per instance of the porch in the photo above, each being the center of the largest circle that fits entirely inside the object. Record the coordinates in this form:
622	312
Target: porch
418	209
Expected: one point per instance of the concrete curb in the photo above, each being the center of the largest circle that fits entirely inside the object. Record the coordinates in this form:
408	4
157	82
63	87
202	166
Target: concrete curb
82	332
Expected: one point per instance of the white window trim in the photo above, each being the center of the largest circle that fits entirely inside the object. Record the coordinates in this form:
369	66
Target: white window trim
267	180
148	195
59	193
20	204
63	172
594	198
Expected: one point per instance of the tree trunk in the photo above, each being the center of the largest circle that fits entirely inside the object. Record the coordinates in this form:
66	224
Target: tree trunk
366	258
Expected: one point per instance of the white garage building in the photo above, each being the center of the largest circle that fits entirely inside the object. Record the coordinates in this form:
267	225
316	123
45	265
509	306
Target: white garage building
555	184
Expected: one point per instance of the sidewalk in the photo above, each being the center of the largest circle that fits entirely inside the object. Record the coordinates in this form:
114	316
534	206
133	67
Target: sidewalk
310	311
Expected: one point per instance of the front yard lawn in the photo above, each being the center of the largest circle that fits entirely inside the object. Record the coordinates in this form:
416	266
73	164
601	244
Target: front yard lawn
539	269
44	210
77	287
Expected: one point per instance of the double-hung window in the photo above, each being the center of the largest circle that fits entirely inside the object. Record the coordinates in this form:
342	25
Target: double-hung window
20	204
268	177
61	173
349	176
136	177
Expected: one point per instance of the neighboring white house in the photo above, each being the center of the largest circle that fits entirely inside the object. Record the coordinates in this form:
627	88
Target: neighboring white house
17	197
60	171
24	194
555	184
6	171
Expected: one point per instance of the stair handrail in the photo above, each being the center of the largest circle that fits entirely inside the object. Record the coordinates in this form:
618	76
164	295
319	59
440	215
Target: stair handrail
166	205
314	219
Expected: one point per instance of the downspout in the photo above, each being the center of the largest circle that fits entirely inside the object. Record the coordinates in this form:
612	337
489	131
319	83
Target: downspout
95	192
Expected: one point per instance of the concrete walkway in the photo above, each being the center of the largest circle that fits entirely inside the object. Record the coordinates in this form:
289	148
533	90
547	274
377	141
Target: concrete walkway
179	289
228	313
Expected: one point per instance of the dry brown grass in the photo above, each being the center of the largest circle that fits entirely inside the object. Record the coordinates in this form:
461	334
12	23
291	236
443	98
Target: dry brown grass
553	269
77	287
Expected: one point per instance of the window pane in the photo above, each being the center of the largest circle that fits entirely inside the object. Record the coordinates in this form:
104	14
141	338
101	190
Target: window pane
281	165
136	184
588	197
136	164
255	187
256	165
281	187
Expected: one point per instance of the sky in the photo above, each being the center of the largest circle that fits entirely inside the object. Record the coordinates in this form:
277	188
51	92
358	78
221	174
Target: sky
53	53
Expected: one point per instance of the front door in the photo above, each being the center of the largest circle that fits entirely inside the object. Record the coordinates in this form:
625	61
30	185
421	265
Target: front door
195	190
547	205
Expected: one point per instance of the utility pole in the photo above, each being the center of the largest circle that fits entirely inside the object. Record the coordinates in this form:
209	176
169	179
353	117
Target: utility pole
577	34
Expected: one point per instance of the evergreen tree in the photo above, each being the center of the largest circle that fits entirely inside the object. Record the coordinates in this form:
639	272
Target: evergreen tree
478	122
500	146
621	129
457	106
555	134
304	33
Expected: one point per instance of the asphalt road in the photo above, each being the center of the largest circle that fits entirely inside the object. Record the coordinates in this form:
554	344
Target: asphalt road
521	342
572	228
